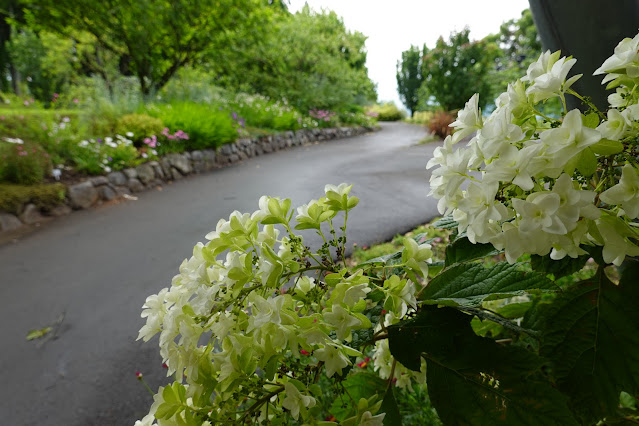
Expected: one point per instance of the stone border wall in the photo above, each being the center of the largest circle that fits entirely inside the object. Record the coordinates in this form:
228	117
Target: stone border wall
172	167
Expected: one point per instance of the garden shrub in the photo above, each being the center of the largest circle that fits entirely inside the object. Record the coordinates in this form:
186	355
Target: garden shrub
141	125
421	117
260	111
207	126
439	123
387	112
22	162
44	196
99	156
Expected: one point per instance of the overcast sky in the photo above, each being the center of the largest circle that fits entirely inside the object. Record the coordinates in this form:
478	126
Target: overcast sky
392	26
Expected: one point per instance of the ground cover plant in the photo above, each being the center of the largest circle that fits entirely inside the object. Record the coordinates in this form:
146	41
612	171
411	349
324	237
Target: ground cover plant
261	327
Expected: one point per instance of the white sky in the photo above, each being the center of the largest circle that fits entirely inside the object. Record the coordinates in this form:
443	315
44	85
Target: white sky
392	26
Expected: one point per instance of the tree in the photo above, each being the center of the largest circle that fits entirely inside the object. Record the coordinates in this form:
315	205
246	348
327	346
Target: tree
520	46
409	77
308	59
10	13
153	38
453	71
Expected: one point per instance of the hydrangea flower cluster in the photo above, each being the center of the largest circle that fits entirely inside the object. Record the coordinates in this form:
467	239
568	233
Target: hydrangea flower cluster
255	318
530	183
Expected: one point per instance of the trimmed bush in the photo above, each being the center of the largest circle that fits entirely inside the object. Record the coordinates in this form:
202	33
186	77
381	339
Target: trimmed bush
141	125
44	196
206	125
23	163
387	112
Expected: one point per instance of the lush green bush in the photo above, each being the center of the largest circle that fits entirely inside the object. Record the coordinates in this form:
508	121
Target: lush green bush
206	125
262	112
420	117
44	196
386	112
22	162
439	123
99	156
140	125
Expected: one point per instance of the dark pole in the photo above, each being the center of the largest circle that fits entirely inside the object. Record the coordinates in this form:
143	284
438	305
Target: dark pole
589	30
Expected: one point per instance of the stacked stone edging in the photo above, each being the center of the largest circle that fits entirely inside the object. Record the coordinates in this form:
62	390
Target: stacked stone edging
172	167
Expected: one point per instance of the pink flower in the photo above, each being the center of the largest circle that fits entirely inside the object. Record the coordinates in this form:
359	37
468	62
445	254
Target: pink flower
23	153
76	100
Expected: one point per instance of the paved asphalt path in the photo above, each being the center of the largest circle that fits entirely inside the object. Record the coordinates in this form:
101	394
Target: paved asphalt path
98	266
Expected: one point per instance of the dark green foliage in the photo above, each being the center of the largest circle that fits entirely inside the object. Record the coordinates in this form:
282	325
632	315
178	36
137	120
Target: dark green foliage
409	77
360	385
590	333
455	70
471	377
154	39
462	250
558	268
45	196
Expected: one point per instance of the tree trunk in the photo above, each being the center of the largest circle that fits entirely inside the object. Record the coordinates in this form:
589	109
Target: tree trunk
589	30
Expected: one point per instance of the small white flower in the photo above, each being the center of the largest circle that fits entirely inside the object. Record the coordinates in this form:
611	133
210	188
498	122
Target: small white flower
129	134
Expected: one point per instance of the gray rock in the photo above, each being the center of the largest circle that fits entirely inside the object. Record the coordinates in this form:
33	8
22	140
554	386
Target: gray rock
135	185
199	166
187	155
180	162
122	190
117	178
9	222
175	174
242	155
159	171
197	156
234	158
60	210
31	215
130	173
82	195
99	180
107	193
145	173
166	167
226	149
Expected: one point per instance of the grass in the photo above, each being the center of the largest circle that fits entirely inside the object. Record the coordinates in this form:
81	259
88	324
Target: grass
426	232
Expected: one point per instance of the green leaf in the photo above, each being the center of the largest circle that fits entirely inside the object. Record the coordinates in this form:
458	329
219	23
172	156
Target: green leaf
389	406
607	147
462	250
471	284
591	120
385	259
36	334
559	268
446	222
471	378
461	398
359	385
591	334
587	162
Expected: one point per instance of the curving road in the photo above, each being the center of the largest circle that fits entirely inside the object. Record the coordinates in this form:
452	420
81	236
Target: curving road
96	267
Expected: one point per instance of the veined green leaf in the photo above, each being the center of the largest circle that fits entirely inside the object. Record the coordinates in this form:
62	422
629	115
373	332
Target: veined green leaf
462	250
470	284
446	222
471	377
607	147
591	334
